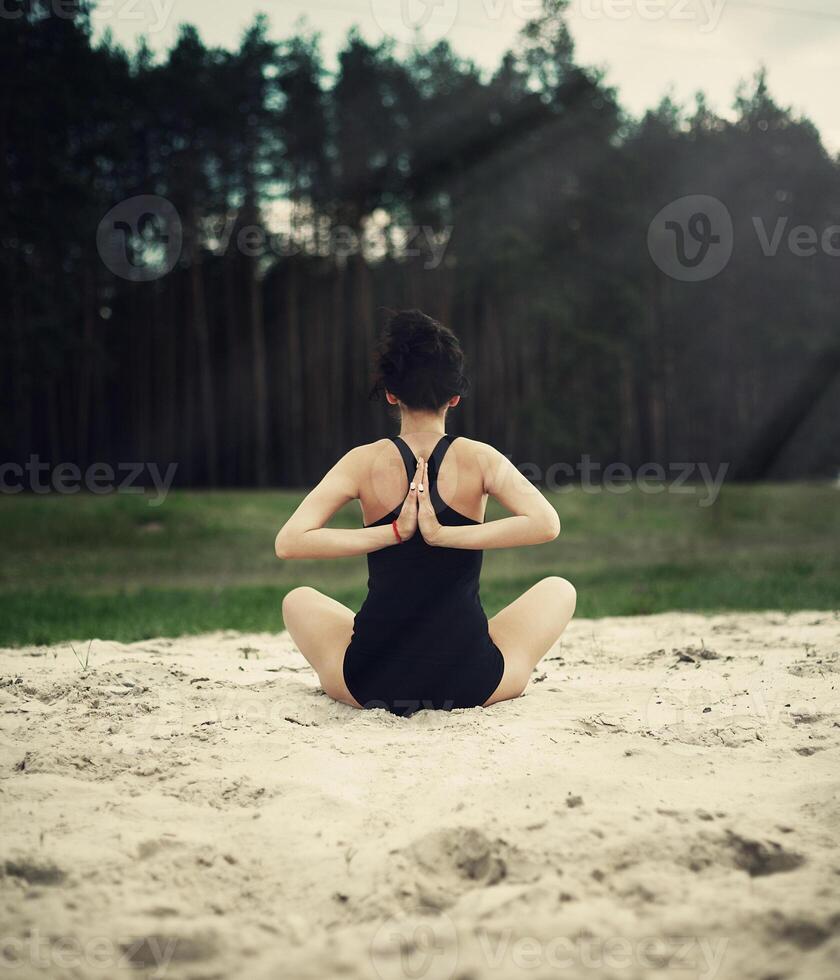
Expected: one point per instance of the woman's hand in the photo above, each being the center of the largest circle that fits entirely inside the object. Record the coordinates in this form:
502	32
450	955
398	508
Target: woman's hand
407	520
430	526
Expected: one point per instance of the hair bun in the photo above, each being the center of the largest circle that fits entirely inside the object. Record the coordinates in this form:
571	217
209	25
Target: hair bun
419	361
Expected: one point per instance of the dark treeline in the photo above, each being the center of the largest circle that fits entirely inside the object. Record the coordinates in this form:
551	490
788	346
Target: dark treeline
249	363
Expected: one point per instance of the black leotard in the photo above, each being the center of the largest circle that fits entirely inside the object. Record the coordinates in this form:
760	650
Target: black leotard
420	639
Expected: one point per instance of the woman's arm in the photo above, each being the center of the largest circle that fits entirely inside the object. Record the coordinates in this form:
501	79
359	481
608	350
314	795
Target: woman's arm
534	520
304	534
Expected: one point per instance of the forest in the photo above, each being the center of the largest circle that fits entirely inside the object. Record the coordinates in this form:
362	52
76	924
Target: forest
226	322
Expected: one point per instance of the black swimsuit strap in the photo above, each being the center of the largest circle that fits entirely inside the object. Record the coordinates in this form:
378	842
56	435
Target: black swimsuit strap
435	461
408	457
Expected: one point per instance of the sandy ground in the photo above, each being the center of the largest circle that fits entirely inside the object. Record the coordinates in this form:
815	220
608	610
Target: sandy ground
663	802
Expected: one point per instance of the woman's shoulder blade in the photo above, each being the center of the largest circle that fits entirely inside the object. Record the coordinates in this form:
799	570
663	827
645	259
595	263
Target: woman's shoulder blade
474	447
367	450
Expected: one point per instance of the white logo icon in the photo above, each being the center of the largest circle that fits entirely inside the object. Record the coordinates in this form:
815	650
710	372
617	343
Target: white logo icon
415	21
415	945
692	238
141	238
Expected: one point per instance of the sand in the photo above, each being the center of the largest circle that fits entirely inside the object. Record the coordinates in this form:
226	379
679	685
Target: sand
663	802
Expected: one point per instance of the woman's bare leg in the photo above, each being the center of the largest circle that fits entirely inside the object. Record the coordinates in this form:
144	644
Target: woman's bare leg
527	629
321	628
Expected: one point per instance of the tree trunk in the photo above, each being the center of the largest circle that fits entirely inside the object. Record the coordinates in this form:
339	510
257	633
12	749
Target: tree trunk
205	362
258	377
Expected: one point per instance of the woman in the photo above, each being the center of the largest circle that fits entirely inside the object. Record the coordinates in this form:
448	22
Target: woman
421	638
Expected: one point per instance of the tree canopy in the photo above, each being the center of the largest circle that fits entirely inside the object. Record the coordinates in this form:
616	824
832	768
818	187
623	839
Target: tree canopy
515	206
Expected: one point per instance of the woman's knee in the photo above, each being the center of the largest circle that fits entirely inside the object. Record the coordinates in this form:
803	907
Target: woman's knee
293	600
561	590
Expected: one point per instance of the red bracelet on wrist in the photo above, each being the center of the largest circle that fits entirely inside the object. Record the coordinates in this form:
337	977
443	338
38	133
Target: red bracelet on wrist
396	531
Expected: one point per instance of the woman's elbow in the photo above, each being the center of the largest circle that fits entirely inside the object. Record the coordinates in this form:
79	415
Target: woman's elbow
551	528
283	546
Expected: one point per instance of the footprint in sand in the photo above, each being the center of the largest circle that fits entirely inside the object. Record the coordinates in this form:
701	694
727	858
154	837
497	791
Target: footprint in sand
806	931
759	858
438	868
34	871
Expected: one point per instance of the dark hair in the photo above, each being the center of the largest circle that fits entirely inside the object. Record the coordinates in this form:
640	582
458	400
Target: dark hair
419	361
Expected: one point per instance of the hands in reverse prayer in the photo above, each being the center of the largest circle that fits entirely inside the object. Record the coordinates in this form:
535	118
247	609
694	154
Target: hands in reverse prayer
417	510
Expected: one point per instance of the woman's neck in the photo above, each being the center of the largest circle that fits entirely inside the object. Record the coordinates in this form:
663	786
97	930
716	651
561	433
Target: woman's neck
412	423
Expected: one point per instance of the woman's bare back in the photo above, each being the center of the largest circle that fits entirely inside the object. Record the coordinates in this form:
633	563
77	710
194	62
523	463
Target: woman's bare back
383	483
